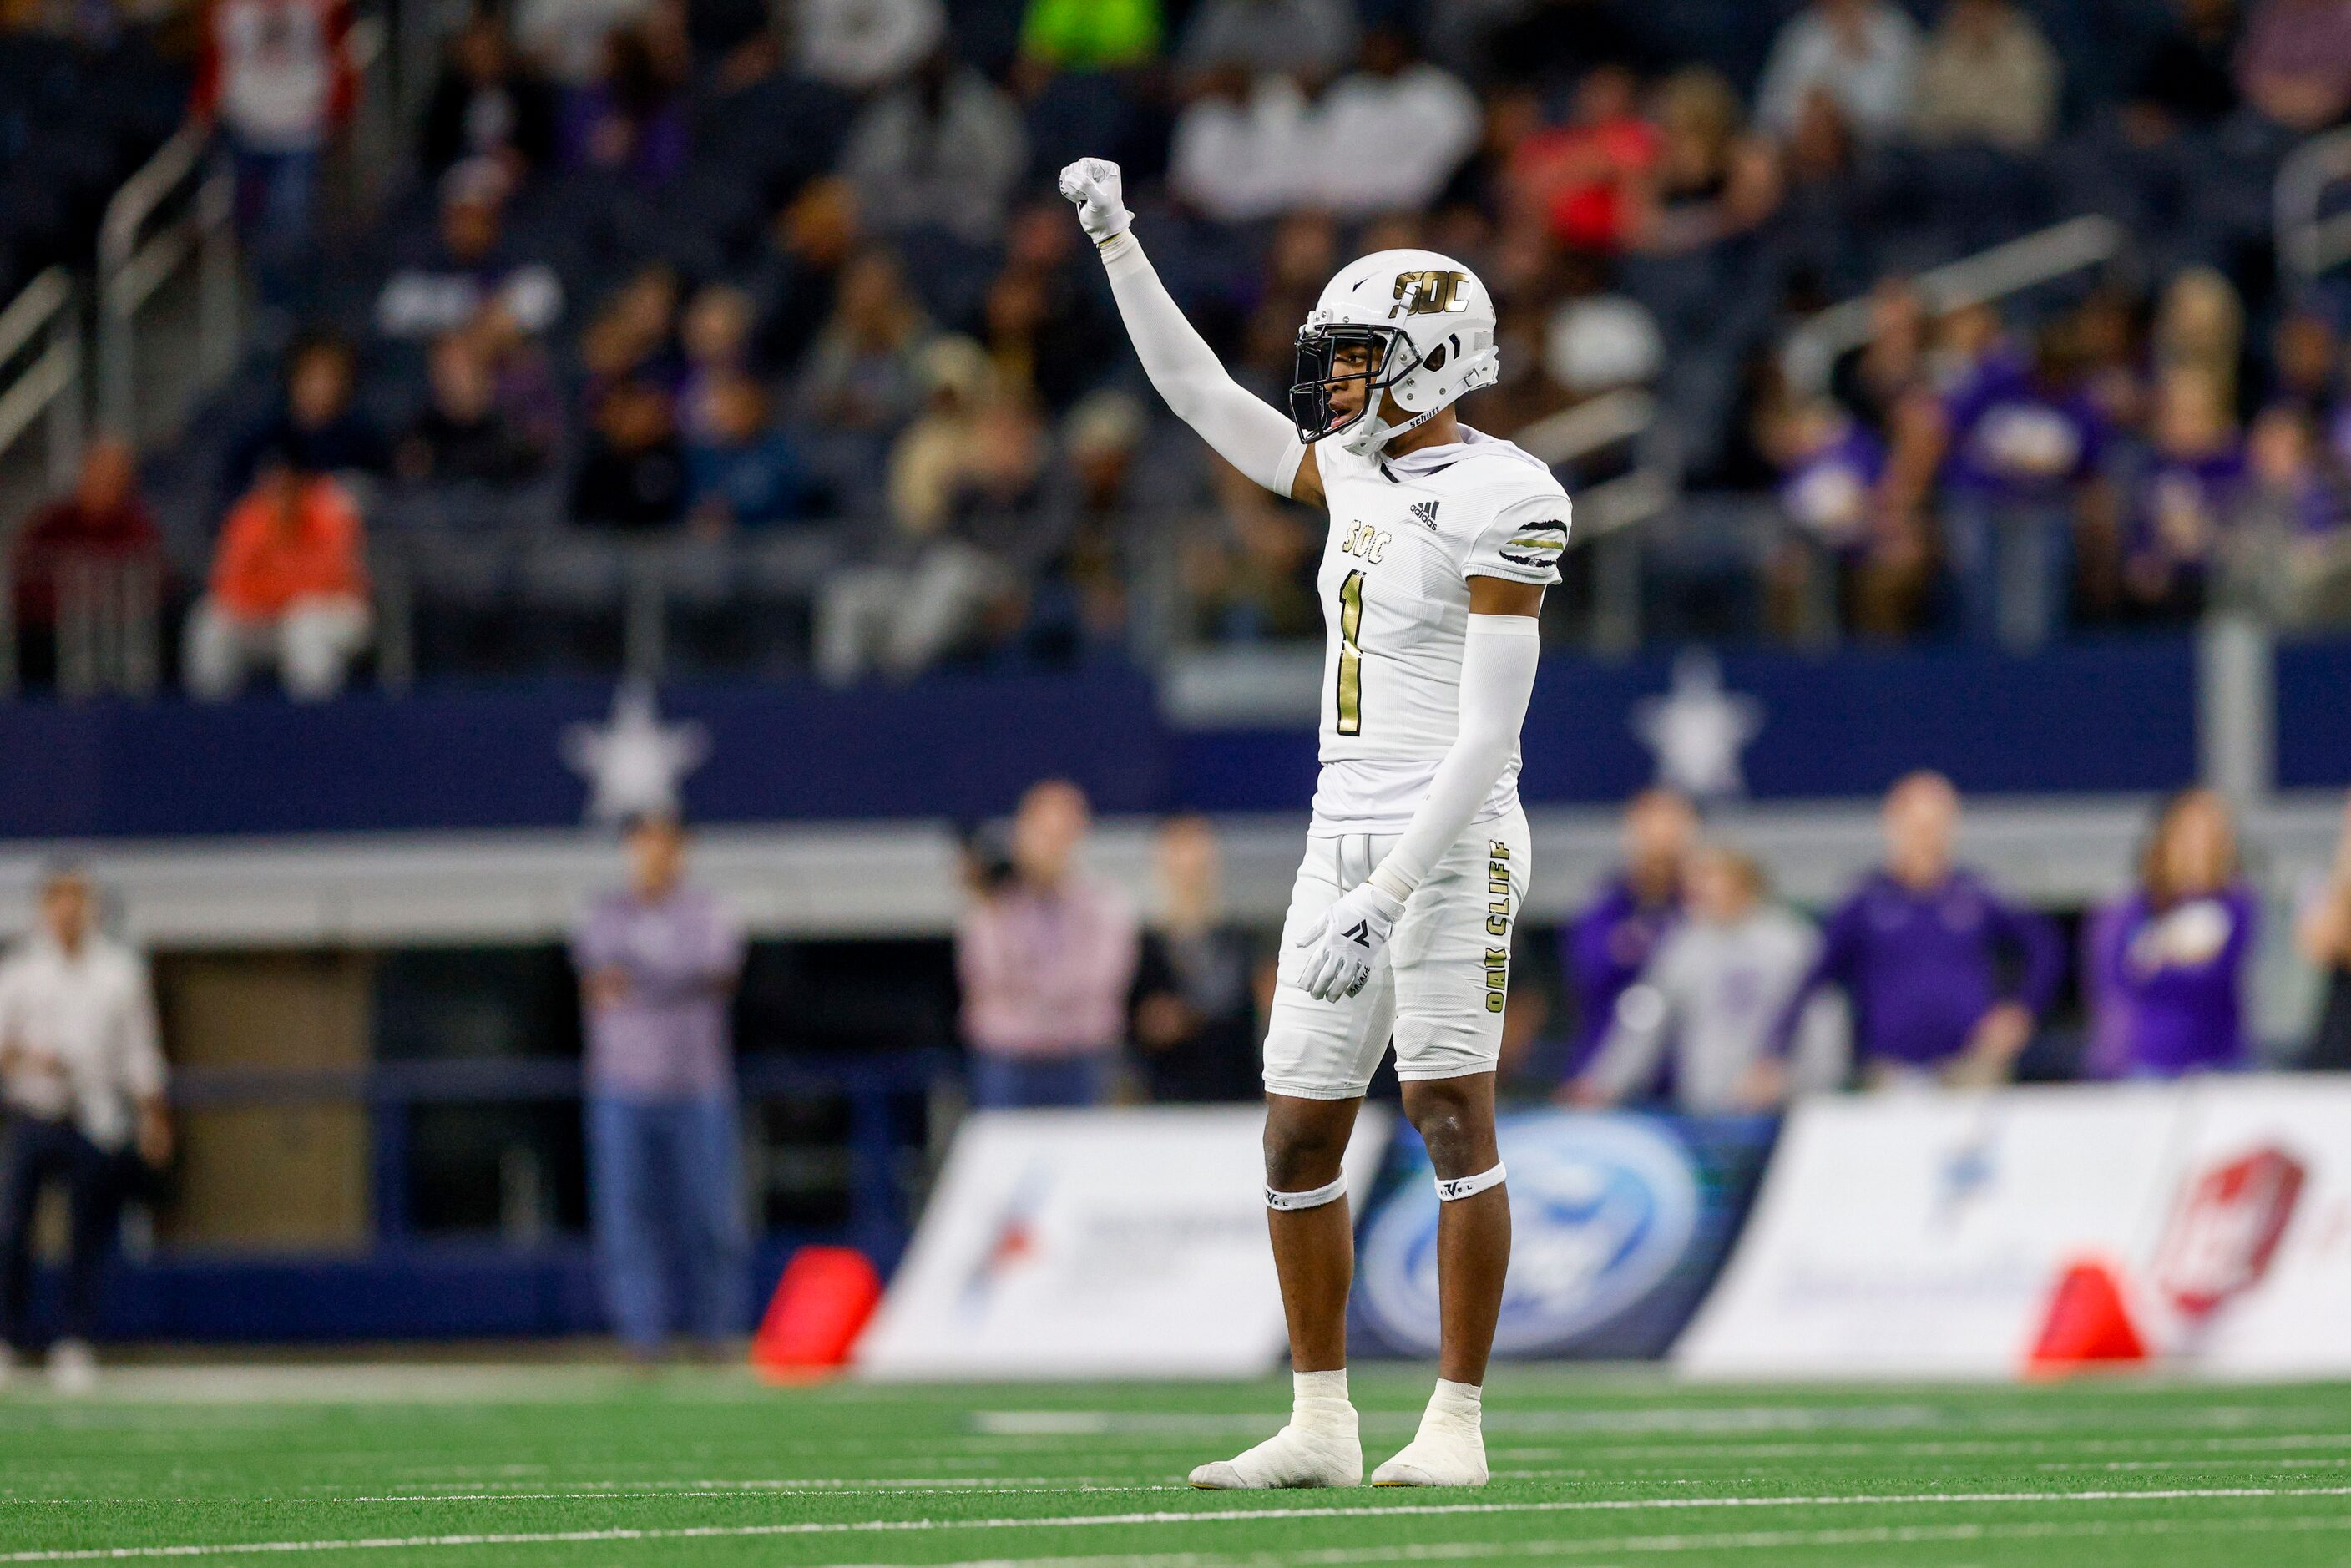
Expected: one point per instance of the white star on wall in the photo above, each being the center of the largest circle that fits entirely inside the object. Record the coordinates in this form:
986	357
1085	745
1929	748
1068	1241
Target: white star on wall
1697	729
633	763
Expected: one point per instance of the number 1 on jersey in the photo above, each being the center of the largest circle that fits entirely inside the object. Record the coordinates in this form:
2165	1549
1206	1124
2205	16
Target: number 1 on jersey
1350	654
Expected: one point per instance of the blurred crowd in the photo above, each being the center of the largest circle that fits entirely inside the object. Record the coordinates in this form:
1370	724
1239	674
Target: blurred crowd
721	277
1686	980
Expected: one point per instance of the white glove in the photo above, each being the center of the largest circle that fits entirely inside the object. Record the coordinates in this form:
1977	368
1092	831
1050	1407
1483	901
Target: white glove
1094	184
1342	949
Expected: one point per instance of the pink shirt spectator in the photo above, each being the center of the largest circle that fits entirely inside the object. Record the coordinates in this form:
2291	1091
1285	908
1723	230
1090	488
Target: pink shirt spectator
1047	975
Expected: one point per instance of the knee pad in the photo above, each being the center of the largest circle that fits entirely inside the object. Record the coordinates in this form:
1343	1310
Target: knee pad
1459	1187
1287	1202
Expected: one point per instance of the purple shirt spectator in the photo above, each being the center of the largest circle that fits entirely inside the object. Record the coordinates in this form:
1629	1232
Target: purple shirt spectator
2168	984
1921	968
665	1037
2180	500
1829	490
1604	951
2014	439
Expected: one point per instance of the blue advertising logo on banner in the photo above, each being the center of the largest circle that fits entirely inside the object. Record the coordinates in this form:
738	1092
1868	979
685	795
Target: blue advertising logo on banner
1618	1225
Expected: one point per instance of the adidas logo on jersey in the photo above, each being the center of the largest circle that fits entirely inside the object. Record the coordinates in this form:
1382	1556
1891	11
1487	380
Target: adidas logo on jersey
1426	512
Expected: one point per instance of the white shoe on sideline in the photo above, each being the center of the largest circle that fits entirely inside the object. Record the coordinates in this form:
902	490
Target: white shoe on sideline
1440	1456
73	1370
1290	1457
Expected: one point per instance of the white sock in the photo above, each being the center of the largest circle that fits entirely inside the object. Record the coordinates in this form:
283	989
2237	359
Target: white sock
1319	1403
1455	1406
1318	1448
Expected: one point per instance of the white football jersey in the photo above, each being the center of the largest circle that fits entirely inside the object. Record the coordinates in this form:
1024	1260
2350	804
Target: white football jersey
1406	533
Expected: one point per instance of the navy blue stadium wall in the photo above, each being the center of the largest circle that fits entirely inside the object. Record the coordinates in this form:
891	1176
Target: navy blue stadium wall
2314	727
2114	716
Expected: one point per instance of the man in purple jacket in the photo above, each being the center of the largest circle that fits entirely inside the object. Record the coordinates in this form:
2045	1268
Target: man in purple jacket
1608	946
658	962
1917	947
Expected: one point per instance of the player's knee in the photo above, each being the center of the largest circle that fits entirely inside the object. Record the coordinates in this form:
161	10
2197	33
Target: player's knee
1302	1153
1455	1125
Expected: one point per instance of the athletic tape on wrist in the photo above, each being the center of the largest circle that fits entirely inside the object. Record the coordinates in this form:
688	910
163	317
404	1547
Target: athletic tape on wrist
1459	1187
1288	1201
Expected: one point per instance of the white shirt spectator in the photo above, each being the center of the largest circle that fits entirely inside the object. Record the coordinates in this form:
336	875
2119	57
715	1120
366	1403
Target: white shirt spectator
1863	53
1712	994
1315	38
1238	161
859	44
1389	143
422	303
88	1021
275	71
1371	144
953	169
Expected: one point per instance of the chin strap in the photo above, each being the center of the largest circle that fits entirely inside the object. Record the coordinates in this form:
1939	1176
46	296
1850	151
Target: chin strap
1370	432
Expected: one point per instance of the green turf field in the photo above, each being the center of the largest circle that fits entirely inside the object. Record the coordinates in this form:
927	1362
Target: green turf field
458	1467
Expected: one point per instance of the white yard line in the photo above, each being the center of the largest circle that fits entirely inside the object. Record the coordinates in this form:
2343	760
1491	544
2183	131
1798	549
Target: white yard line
1931	1448
1165	1518
1639	1545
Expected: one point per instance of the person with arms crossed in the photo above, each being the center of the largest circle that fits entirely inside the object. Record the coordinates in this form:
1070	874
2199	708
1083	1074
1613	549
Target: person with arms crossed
1442	540
659	961
1917	949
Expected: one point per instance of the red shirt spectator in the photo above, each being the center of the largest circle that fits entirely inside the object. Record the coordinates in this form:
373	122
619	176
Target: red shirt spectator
104	519
294	537
1579	180
276	72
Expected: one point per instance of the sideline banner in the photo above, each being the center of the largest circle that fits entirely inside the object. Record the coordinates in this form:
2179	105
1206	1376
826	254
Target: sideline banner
2249	1273
1923	1235
1126	1243
1618	1224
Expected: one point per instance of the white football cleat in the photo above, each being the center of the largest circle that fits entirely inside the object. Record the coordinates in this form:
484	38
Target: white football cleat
1290	1457
1446	1456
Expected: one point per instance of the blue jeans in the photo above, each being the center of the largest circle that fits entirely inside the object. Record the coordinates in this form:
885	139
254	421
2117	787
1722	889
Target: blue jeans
1038	1084
665	1188
276	196
2013	564
39	1152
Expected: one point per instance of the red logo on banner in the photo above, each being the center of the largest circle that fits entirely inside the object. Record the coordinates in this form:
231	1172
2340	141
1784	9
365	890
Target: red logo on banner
2226	1229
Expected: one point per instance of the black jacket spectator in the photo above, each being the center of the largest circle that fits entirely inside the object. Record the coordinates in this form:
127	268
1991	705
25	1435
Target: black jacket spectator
315	427
462	436
488	104
633	474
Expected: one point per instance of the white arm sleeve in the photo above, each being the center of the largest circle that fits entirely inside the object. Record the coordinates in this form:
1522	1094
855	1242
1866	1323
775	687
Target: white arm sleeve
1498	679
1246	431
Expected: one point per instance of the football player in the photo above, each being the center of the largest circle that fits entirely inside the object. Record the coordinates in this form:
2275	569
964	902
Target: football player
1441	543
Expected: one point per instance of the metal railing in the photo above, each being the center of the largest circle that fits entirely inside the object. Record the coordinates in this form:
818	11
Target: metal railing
1610	514
41	329
2308	241
107	633
1811	350
109	626
139	249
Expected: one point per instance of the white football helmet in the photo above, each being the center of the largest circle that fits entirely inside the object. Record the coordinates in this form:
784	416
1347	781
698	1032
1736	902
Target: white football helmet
1428	325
